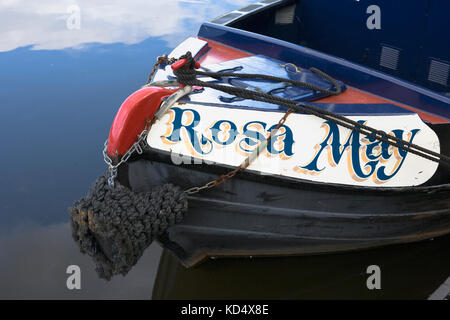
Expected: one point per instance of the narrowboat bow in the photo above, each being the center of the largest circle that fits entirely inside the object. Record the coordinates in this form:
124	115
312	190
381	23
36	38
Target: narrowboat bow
292	137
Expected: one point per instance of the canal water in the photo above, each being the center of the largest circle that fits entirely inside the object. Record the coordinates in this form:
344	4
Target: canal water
65	68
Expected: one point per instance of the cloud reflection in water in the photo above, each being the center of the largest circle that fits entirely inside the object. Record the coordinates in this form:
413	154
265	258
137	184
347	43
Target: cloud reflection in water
43	24
34	261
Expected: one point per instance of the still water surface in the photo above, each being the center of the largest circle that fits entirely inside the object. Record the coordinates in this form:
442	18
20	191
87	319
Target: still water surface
60	87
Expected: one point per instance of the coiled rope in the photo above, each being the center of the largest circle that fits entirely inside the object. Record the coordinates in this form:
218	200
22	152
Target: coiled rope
187	75
114	225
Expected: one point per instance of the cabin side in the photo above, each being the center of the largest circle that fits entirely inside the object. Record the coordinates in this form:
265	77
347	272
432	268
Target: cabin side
406	40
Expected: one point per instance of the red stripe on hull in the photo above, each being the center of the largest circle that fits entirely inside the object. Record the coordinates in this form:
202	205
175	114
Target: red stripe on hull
218	52
353	95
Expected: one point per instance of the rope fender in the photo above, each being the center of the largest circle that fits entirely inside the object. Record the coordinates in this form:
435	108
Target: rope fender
115	225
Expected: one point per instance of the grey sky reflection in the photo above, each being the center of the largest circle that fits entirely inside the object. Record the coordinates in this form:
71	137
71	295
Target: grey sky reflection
43	24
34	261
67	112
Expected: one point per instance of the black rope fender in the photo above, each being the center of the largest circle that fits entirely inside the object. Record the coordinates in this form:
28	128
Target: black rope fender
115	225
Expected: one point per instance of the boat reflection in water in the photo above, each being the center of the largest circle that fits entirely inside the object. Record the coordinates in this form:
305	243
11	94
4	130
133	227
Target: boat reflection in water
409	271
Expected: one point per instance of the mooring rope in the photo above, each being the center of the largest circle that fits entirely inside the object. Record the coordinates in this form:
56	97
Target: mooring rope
114	225
187	75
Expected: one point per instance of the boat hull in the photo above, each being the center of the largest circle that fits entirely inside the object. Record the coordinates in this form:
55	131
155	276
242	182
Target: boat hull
262	215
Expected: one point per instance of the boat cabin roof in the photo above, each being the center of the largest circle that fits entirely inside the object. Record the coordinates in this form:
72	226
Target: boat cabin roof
393	50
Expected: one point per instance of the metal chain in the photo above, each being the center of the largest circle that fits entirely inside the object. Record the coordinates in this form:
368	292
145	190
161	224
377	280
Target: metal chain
160	60
138	147
244	165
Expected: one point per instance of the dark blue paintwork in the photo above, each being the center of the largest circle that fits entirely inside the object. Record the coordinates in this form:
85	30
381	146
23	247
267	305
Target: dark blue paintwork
404	39
352	39
436	43
416	29
350	73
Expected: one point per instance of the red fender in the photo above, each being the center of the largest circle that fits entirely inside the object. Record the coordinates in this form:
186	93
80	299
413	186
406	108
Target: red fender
132	117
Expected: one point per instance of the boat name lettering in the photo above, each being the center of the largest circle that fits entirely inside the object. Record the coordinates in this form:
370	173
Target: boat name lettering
222	133
366	157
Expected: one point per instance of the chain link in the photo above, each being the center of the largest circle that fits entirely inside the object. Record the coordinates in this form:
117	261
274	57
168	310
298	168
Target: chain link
160	60
137	147
244	165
